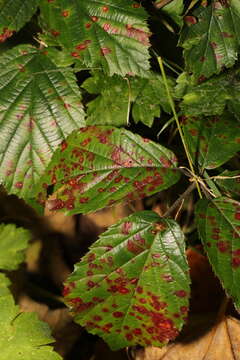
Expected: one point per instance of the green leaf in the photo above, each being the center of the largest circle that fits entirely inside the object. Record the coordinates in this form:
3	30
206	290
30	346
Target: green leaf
210	37
22	335
13	242
218	224
212	141
111	107
212	96
99	34
14	14
99	166
39	106
173	9
229	181
132	287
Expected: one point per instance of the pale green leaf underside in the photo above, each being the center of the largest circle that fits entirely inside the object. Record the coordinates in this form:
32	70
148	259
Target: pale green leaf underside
99	166
132	287
107	34
146	97
22	335
211	38
13	241
14	14
218	224
229	182
40	105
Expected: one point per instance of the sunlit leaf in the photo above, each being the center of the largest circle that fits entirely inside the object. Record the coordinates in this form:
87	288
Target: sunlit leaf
39	106
229	182
210	37
98	166
12	243
212	96
218	224
212	141
22	335
173	9
104	34
132	287
112	106
14	15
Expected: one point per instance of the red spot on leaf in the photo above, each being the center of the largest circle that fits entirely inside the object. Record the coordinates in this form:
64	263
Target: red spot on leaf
180	293
63	145
5	34
105	51
55	33
136	6
118	314
75	54
126	227
88	25
18	185
65	13
129	336
83	200
190	20
237	215
235	262
223	246
139	290
97	318
105	8
94	18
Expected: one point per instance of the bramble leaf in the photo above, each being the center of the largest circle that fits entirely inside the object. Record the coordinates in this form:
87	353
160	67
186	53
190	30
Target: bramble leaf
218	224
14	14
229	182
173	9
210	38
212	141
132	287
104	34
13	241
39	106
22	335
212	96
112	106
99	166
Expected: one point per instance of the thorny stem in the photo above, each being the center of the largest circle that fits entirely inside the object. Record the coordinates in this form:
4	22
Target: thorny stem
178	125
179	200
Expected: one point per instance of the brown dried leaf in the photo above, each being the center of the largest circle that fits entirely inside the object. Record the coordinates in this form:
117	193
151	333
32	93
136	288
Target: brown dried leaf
222	341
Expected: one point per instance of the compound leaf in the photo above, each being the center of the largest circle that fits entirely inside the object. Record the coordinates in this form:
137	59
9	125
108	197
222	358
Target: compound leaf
99	33
210	37
98	166
112	106
133	285
39	106
13	241
218	224
14	14
212	141
22	335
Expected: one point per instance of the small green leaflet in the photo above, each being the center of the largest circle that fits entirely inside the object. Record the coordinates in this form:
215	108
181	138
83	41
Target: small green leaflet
98	166
107	34
112	106
132	287
212	96
13	242
213	140
22	335
218	223
40	104
14	14
210	37
229	182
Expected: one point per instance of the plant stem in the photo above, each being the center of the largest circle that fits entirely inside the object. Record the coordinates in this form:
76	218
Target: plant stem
179	200
171	102
211	184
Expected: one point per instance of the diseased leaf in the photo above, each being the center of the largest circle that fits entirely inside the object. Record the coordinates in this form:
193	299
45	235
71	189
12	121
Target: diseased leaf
132	287
99	166
39	106
223	338
112	106
218	223
212	96
212	141
112	35
22	335
210	37
229	182
14	14
13	241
